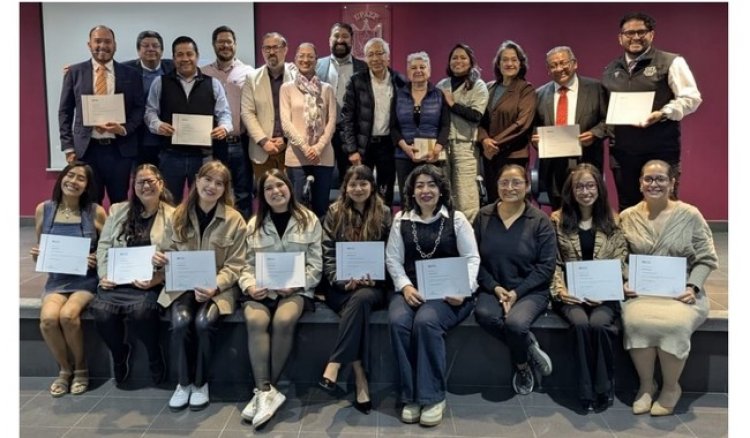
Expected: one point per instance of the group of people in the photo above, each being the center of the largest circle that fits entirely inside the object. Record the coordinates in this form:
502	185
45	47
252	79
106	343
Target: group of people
289	124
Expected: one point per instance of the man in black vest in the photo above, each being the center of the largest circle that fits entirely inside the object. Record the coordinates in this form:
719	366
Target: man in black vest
185	91
645	68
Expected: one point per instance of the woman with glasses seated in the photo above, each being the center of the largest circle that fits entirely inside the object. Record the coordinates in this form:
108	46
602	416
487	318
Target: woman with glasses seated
517	248
587	230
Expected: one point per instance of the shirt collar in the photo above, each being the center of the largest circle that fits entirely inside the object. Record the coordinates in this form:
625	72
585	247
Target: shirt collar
413	216
384	81
110	66
235	63
629	59
143	66
572	84
344	61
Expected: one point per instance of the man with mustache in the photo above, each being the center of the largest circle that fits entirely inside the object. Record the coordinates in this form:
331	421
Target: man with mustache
186	90
109	148
645	68
150	65
232	72
337	69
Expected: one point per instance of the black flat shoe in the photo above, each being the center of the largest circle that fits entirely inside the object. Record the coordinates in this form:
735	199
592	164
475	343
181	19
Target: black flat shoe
327	385
364	407
604	401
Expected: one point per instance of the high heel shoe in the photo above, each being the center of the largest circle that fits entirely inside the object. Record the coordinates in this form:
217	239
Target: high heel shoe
364	407
327	385
658	409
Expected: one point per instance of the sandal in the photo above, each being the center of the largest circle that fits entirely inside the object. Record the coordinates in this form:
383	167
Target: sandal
61	384
80	382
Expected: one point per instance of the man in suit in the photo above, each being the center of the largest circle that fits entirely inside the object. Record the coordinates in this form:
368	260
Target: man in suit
570	99
150	65
260	105
337	69
109	148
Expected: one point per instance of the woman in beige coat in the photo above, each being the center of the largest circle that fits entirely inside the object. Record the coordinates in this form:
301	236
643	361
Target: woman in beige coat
206	220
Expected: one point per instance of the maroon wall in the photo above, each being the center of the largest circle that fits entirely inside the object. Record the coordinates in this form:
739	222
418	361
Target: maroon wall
694	30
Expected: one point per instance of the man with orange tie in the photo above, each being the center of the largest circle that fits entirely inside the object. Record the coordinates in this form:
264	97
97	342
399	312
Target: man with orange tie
570	99
109	148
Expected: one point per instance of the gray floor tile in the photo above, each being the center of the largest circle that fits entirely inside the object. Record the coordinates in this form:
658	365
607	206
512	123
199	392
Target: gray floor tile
490	419
182	434
139	389
287	419
707	424
558	423
337	418
40	385
249	432
123	414
703	402
553	398
42	432
57	412
624	424
214	417
338	435
389	423
108	433
23	399
500	397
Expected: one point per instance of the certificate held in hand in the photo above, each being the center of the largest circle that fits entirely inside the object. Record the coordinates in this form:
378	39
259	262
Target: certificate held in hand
126	265
192	129
657	275
100	109
356	260
629	108
444	277
187	270
596	280
559	141
279	270
63	254
426	146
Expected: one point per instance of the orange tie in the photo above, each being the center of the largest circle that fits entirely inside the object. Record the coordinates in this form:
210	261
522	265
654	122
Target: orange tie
100	84
561	115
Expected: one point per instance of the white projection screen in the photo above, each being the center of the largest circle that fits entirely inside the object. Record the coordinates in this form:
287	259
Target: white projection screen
66	28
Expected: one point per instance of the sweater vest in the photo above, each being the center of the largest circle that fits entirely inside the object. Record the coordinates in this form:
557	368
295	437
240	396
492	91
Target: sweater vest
173	100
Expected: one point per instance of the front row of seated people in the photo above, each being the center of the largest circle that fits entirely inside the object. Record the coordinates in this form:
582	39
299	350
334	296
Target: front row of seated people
515	258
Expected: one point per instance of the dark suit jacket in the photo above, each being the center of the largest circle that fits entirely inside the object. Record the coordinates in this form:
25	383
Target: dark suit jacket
79	80
166	64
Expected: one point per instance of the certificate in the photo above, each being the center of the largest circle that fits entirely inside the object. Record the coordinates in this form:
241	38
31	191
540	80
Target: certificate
597	280
358	259
657	275
99	109
559	141
424	147
191	129
279	270
630	108
187	270
125	265
63	254
444	277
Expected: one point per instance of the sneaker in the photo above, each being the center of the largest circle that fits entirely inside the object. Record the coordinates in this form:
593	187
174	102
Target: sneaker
523	381
122	370
252	407
199	398
180	398
539	358
432	415
268	403
411	413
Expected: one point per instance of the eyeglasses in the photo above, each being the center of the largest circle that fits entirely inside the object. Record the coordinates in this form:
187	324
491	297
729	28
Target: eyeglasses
659	179
515	183
148	182
589	186
269	49
379	54
640	33
221	43
155	46
561	64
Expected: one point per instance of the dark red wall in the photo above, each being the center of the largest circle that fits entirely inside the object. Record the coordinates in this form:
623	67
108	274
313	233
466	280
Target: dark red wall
694	30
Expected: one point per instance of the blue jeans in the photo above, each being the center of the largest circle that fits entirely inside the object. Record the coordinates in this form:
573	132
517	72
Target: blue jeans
177	167
418	339
321	188
238	163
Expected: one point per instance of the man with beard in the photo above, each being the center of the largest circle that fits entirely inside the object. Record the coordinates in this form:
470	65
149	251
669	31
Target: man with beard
149	64
231	72
185	91
260	105
645	68
570	99
366	116
109	148
337	69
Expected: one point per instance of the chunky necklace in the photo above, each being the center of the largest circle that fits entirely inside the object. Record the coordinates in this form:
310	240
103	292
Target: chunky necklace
437	241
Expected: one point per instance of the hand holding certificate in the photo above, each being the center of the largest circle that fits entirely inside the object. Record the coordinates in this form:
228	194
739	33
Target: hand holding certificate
126	265
63	254
595	280
444	277
657	275
424	147
358	260
559	141
279	270
631	108
191	129
187	270
100	109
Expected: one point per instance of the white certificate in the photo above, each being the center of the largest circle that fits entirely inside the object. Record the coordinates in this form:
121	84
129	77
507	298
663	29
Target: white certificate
125	265
597	280
559	141
63	254
629	108
444	277
425	146
657	275
187	270
192	129
279	270
99	109
358	259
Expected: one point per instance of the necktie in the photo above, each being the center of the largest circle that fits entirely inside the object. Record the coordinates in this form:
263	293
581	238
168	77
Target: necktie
100	84
561	115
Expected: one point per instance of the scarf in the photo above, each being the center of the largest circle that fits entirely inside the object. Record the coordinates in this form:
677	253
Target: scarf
313	106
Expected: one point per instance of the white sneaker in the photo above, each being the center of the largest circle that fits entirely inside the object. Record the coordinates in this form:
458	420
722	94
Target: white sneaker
432	415
180	398
199	398
268	403
410	413
252	407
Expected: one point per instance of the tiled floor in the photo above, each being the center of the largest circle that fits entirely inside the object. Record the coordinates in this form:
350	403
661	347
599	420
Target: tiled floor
309	412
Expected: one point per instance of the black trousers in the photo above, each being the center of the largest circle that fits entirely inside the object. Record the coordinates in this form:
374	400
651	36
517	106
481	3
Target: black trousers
193	329
342	158
626	169
111	171
594	332
379	157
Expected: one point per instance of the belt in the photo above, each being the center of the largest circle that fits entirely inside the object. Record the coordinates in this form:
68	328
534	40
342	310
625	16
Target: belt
102	141
233	139
379	138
